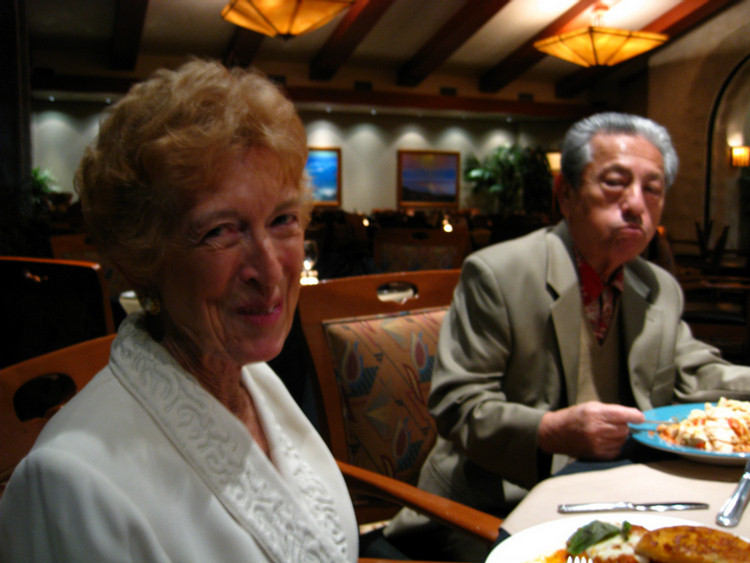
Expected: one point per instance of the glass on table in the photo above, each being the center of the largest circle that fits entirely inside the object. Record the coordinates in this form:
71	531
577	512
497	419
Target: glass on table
309	275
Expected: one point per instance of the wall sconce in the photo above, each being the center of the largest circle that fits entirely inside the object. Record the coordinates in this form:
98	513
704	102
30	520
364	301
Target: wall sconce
740	156
553	159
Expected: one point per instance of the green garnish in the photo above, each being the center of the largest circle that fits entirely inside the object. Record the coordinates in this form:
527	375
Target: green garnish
626	527
593	533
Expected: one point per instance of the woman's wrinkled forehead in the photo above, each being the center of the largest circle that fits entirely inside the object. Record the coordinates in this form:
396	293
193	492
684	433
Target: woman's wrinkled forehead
209	177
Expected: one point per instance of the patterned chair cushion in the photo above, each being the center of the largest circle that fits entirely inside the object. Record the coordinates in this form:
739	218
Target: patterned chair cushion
383	366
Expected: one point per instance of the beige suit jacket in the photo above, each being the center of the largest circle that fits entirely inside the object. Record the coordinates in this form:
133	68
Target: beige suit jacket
509	351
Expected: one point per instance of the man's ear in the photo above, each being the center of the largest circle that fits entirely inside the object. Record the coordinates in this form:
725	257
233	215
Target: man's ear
563	192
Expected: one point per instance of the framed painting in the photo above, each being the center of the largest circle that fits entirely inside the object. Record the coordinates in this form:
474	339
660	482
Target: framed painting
324	170
428	178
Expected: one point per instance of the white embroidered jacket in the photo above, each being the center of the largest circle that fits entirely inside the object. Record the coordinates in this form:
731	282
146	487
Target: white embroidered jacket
145	465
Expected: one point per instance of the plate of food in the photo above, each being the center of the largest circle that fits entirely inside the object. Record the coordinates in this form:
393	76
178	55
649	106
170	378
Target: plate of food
642	538
708	432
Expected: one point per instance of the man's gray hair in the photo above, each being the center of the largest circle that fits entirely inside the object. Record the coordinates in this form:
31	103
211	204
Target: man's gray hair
576	147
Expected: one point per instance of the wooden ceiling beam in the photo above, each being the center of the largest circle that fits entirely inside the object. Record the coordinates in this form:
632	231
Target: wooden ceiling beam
432	102
526	56
677	21
53	82
129	21
454	33
243	47
352	29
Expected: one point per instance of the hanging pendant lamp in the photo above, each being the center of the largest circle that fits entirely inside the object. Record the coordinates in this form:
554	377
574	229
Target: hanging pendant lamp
600	46
285	18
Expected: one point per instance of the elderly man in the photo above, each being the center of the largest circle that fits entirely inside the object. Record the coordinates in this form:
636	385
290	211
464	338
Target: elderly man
556	340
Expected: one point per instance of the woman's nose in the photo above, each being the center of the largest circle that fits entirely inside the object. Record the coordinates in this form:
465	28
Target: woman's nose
261	261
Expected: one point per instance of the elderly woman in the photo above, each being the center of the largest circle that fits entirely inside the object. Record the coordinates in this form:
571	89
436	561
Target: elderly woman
186	446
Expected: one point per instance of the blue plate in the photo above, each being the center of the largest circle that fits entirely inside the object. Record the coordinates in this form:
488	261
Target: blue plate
650	437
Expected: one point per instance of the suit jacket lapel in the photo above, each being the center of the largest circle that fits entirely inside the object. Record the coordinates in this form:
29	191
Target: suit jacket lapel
562	281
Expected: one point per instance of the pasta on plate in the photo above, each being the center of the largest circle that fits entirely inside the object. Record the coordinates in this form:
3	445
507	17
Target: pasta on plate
723	428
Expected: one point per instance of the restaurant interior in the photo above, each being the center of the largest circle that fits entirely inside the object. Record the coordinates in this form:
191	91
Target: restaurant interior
388	91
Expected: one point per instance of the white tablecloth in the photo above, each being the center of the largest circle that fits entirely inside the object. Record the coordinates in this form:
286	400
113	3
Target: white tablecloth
664	481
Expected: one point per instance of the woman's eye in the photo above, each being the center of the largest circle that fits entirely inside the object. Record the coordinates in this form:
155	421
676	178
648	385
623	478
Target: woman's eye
220	233
215	232
285	219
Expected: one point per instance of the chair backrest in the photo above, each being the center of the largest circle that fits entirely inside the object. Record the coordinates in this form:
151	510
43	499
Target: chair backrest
79	246
660	251
47	304
717	308
401	249
33	390
703	236
373	340
717	253
74	246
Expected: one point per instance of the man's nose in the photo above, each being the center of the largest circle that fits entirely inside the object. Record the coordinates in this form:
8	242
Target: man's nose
633	203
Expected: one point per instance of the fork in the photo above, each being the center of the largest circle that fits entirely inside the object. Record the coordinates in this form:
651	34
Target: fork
577	559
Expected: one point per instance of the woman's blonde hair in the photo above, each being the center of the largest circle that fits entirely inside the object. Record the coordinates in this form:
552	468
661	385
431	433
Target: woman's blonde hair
167	139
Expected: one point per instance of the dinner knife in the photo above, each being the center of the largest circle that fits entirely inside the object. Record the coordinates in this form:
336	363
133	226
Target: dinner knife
629	506
731	511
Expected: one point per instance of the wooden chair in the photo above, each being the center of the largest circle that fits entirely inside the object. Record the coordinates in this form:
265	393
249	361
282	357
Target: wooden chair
703	236
382	328
33	390
400	249
79	246
47	304
717	308
660	251
372	340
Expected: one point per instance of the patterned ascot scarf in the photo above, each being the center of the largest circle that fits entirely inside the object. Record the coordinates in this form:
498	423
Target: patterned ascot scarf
598	298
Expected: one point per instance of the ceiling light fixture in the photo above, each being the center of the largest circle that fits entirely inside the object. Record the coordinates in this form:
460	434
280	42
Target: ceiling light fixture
600	46
284	18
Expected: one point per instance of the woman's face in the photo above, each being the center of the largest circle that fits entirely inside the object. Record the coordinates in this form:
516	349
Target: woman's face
229	281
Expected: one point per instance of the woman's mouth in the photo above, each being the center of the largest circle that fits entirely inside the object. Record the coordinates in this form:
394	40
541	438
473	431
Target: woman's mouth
261	312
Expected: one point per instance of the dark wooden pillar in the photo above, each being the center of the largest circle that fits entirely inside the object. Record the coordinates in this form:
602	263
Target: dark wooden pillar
18	232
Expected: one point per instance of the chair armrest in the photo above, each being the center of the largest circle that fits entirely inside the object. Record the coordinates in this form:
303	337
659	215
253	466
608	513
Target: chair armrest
479	524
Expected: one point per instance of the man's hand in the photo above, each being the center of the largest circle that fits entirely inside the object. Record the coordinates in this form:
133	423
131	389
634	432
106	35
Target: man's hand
590	430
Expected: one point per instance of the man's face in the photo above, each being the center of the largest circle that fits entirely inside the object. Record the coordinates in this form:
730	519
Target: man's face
617	208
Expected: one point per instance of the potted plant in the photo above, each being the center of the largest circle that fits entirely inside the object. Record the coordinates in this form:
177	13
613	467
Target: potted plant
513	178
46	200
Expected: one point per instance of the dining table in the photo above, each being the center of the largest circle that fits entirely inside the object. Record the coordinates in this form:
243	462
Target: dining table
644	476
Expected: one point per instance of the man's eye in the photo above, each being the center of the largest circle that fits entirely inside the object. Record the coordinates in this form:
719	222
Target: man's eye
615	181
